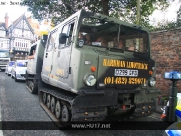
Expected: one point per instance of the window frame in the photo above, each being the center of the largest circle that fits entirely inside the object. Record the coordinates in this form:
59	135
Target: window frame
68	40
49	38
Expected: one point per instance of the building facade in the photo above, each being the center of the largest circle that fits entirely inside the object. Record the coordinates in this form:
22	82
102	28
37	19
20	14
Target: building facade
20	37
4	41
17	37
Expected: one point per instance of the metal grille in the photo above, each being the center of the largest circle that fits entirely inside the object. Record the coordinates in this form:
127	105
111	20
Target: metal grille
3	62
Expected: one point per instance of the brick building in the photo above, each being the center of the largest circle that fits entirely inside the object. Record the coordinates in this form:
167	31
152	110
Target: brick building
166	51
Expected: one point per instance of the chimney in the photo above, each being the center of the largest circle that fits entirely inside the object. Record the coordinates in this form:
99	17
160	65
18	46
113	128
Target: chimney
6	20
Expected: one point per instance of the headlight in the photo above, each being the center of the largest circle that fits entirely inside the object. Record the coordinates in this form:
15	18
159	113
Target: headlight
152	81
89	80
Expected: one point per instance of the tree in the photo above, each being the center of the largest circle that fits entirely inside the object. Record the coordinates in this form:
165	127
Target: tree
179	16
166	25
125	10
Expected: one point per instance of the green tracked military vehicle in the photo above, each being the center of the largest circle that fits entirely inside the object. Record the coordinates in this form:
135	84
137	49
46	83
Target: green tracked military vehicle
96	67
35	61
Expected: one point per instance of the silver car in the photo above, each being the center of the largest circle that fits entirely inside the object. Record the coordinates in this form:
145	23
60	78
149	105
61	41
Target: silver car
19	70
9	67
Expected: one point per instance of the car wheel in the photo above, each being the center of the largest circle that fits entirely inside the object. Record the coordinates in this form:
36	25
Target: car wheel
32	87
16	80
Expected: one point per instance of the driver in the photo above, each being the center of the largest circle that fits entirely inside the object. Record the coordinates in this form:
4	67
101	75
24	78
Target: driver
103	41
31	56
86	38
131	48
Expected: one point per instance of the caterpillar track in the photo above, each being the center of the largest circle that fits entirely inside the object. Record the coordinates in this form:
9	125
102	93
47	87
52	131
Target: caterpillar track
62	107
32	82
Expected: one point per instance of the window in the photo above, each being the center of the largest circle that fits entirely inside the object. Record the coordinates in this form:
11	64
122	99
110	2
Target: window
51	41
106	33
11	63
68	30
32	50
134	44
22	64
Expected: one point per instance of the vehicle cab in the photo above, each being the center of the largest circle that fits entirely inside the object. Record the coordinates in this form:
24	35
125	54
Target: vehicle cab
4	58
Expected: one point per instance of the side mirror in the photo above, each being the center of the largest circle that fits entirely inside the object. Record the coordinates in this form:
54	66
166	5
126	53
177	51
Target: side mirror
62	38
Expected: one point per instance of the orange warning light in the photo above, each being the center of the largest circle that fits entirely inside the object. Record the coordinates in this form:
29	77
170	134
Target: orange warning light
93	69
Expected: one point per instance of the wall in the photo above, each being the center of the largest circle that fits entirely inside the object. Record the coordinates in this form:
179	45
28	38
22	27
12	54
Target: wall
166	51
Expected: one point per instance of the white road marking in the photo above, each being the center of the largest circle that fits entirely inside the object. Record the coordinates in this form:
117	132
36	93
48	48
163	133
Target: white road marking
1	132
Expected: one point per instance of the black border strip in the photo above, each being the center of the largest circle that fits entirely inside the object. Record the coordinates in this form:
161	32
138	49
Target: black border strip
142	125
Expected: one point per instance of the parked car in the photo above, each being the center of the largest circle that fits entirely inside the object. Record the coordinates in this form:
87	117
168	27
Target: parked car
19	70
9	67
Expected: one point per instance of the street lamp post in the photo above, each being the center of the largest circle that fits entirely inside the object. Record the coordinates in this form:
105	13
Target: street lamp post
174	76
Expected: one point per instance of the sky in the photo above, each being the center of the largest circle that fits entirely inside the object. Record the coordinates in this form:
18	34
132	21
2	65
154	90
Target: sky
15	11
169	14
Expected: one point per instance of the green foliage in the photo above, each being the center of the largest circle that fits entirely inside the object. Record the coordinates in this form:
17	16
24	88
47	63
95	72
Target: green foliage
147	8
179	15
168	25
125	10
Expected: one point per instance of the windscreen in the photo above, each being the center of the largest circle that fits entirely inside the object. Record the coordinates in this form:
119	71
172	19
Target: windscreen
22	64
4	54
105	33
11	63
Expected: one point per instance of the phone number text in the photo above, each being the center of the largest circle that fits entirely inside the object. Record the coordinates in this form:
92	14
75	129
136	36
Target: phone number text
124	80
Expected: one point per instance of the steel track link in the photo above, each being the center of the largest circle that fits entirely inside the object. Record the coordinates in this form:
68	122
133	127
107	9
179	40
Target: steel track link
58	96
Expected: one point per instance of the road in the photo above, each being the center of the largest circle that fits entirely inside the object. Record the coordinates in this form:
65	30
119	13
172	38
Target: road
19	105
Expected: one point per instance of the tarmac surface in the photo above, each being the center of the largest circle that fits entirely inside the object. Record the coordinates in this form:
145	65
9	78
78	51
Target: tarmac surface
18	104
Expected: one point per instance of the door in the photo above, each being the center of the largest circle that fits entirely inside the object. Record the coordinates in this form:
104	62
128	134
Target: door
62	52
48	55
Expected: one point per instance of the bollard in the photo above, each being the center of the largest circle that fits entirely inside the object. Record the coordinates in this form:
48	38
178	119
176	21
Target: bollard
174	76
